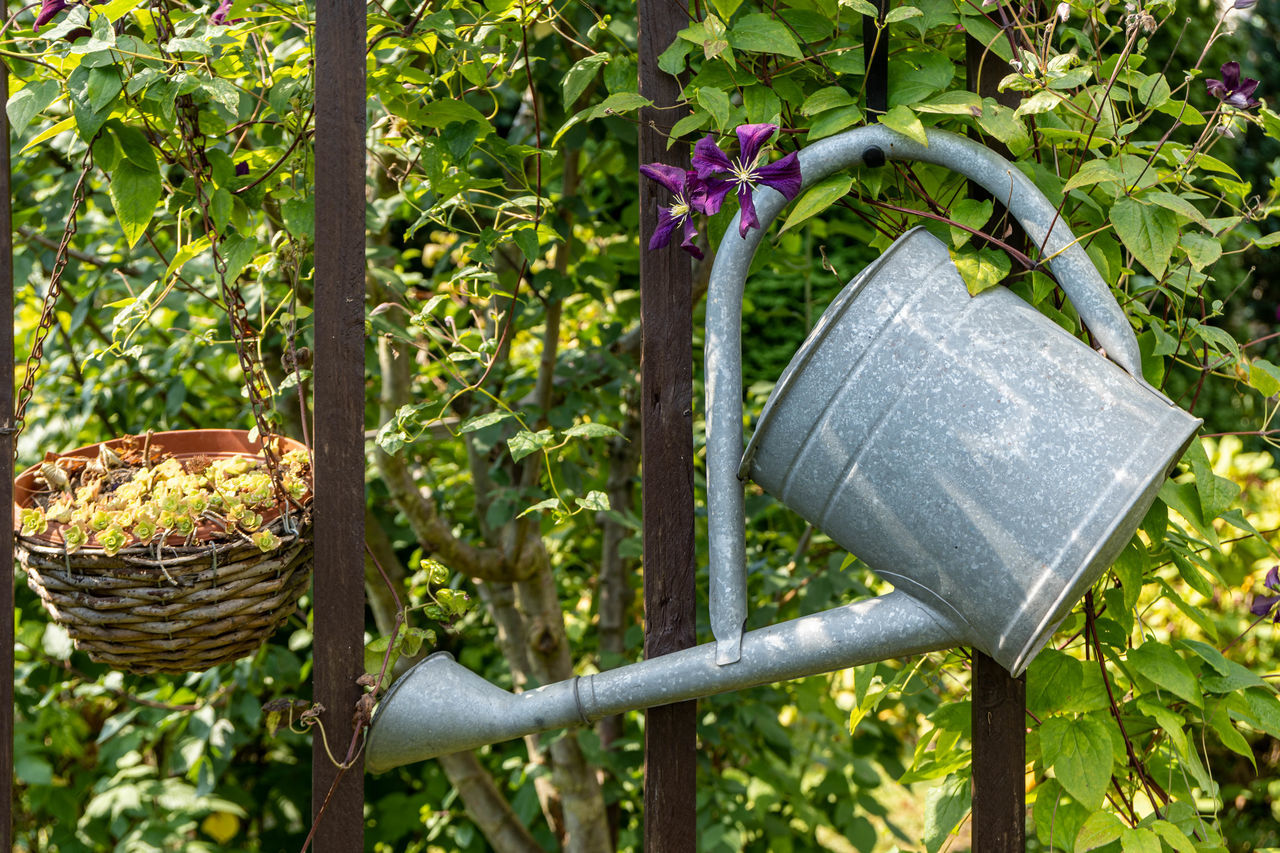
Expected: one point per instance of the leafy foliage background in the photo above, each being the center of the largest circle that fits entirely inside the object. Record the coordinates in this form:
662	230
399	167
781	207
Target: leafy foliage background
503	353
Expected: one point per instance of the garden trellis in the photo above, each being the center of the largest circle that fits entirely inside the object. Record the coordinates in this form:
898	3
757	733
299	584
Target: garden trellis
339	474
564	215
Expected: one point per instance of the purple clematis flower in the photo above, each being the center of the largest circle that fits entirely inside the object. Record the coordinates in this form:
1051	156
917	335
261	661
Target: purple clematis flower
219	16
1231	90
1264	604
48	9
750	170
684	185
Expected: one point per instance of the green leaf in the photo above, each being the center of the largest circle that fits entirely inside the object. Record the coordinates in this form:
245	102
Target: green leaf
525	442
688	124
591	429
549	503
946	805
1052	678
760	33
1202	251
833	121
1162	666
1041	102
1149	232
117	9
1176	203
442	113
1079	751
617	104
862	7
300	217
134	192
61	127
488	419
901	13
1099	829
917	75
1139	840
904	121
726	8
1268	241
595	501
716	102
1092	172
1057	817
1264	710
580	75
1265	377
972	214
1216	493
1173	836
954	102
675	57
827	99
1220	722
29	101
1153	92
817	199
1002	123
1130	567
527	241
983	269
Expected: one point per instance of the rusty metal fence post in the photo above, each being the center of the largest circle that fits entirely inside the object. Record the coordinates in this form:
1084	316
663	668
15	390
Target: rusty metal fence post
666	456
6	470
339	422
998	713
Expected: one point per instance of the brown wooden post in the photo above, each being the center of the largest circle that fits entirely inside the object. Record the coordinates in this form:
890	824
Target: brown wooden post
339	419
999	701
666	315
6	471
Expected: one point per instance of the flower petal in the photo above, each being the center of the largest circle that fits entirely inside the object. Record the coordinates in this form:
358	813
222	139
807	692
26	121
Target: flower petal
662	234
783	175
709	159
689	233
1246	88
1231	74
48	9
747	217
671	177
1273	579
1262	604
707	195
1217	88
750	138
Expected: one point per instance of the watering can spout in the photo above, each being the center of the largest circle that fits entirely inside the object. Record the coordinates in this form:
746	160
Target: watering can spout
439	706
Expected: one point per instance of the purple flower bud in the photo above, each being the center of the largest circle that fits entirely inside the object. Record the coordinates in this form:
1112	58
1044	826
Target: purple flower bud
48	9
1244	4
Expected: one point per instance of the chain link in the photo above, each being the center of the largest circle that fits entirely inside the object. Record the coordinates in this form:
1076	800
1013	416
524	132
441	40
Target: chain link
242	330
48	315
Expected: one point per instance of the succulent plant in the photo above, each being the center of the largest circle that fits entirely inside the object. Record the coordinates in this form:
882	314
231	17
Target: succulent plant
96	502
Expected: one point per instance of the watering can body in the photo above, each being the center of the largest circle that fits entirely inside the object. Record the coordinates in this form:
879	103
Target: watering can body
967	448
970	451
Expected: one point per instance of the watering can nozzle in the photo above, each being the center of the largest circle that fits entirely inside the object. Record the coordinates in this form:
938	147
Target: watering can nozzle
440	707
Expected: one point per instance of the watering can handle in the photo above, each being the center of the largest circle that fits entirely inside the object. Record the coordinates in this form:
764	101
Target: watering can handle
1067	259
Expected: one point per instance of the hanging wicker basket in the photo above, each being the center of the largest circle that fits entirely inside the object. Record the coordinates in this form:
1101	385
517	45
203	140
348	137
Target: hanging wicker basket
183	605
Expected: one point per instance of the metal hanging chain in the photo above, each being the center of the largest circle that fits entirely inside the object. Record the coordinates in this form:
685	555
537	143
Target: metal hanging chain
47	316
242	330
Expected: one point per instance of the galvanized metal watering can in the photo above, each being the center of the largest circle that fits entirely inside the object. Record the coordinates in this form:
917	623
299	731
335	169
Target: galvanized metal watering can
969	450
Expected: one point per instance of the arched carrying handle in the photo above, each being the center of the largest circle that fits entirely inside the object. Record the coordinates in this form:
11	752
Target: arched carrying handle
1039	218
